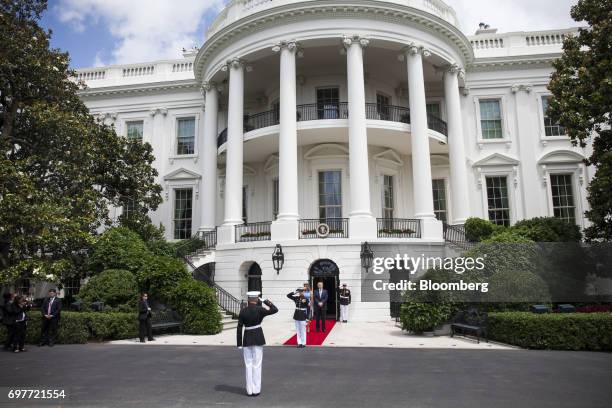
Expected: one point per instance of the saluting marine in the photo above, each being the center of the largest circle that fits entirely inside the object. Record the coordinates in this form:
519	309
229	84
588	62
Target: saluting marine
253	341
300	315
345	301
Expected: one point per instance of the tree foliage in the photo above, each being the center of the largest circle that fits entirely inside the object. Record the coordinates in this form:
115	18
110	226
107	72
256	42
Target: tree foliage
582	90
60	168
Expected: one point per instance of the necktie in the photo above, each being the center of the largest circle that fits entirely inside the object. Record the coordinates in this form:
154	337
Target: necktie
49	308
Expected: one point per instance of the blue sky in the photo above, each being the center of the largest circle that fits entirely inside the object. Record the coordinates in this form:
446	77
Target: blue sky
103	32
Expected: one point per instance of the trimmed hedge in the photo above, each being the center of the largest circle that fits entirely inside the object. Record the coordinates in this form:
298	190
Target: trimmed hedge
115	287
197	303
553	331
78	328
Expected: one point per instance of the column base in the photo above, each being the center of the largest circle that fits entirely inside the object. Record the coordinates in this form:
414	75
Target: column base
361	227
431	229
285	230
204	228
226	234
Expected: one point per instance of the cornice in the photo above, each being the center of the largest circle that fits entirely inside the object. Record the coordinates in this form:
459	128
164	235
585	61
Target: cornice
336	9
513	62
188	84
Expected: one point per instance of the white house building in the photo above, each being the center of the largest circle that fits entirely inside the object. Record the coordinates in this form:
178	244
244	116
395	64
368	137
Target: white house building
319	125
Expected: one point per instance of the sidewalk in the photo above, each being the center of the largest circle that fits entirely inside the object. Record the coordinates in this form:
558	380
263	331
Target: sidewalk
353	334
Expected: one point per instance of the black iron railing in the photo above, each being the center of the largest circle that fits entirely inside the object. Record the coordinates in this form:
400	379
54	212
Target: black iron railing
396	310
338	228
322	111
437	124
222	138
208	238
253	231
387	112
228	302
455	234
262	119
398	228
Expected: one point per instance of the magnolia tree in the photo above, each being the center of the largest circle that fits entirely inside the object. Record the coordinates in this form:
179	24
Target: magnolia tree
60	169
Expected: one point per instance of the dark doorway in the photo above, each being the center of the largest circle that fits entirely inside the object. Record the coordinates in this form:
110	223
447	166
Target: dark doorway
326	271
205	273
254	278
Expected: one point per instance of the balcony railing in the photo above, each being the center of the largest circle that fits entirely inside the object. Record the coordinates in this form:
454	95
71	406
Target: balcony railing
455	234
319	111
398	228
253	231
310	228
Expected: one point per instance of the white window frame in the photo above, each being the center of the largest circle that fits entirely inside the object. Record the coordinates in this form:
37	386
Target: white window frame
446	181
543	137
395	186
511	182
174	188
505	139
175	119
576	171
146	126
440	101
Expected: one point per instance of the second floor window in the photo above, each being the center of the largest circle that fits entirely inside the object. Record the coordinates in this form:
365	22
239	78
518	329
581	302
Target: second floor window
135	130
328	103
185	132
550	128
491	119
388	199
182	213
439	199
382	106
245	208
563	197
433	109
274	199
497	200
330	194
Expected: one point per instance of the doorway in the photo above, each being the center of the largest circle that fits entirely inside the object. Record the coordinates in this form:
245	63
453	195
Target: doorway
326	271
254	278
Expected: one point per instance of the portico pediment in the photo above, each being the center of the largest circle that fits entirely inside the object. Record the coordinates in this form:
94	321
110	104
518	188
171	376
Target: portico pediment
327	150
389	156
560	157
182	174
497	159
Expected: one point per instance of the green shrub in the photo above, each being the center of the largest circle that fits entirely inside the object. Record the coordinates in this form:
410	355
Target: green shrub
516	290
507	235
418	317
553	331
112	326
160	275
118	248
196	302
113	286
477	229
548	229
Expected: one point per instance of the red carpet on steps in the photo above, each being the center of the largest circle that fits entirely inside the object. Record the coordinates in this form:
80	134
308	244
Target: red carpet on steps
313	338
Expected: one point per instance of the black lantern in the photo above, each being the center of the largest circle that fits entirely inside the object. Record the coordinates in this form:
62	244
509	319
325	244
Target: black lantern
278	258
367	256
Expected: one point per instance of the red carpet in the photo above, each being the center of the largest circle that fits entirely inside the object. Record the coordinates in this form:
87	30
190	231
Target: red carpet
313	338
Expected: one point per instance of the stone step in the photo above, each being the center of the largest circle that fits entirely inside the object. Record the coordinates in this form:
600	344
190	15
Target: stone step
231	324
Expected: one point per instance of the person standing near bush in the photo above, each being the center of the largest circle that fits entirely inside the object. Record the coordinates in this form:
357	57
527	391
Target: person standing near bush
20	308
252	344
8	319
144	319
51	310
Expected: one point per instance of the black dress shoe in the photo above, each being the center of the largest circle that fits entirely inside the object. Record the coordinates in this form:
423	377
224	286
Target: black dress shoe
142	341
151	339
255	395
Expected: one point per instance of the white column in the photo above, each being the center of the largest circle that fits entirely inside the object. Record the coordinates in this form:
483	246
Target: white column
234	152
456	149
361	223
209	157
286	225
421	161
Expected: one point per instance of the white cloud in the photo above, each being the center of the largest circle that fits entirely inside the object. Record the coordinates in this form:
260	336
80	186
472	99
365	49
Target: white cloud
145	29
513	15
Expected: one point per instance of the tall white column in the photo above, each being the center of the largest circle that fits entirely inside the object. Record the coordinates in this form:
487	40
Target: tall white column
361	223
209	157
421	161
286	225
235	139
456	148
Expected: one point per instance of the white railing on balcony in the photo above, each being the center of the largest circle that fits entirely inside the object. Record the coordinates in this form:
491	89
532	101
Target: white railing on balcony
182	67
90	75
488	45
139	71
485	43
544	39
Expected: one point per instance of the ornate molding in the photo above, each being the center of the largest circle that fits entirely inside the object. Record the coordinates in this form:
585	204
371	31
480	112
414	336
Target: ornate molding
413	49
521	87
348	40
291	45
156	111
236	63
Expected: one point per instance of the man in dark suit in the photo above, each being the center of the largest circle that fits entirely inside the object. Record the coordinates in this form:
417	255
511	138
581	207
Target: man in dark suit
51	310
320	305
144	319
8	319
253	340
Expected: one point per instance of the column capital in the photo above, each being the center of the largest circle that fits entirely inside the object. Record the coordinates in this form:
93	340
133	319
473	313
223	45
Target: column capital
521	87
348	40
208	86
236	63
291	45
413	49
156	111
454	69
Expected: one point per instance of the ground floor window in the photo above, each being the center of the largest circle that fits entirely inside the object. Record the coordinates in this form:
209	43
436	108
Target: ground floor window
330	194
183	213
563	197
245	207
439	199
388	197
274	199
498	201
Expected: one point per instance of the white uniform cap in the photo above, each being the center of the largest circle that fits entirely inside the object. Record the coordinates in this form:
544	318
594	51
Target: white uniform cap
253	294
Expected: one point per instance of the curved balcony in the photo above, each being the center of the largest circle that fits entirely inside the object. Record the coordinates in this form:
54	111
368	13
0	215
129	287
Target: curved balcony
315	111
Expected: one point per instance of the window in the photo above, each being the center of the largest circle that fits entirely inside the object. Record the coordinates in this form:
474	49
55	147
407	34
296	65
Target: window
182	213
550	128
388	197
245	191
382	106
433	109
490	119
130	208
185	136
330	194
328	103
563	197
439	199
135	130
274	199
497	200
